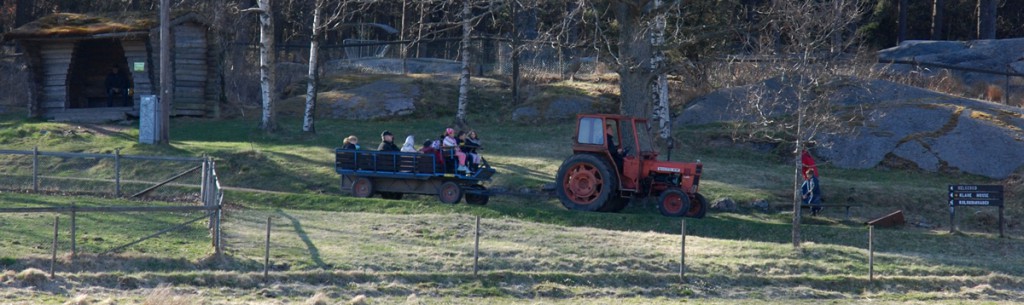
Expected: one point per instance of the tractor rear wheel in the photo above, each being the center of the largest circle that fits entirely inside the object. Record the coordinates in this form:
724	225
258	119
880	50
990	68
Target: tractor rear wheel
476	199
450	192
585	183
673	203
698	207
362	187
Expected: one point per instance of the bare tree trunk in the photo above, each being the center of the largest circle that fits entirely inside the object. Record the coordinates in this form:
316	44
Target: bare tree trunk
662	113
460	116
634	69
164	128
796	176
405	46
308	124
938	14
987	19
902	22
267	122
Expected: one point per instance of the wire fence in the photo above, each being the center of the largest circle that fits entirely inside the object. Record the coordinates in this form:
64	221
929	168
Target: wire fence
111	227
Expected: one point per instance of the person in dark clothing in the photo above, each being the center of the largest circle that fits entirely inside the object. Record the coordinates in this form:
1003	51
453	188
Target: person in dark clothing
810	192
428	148
387	142
351	142
117	87
615	151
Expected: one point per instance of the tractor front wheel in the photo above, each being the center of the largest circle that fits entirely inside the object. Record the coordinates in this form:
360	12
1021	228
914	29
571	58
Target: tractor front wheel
477	199
698	207
673	203
585	183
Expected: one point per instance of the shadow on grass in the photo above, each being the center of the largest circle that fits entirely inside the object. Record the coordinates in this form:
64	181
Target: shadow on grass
314	252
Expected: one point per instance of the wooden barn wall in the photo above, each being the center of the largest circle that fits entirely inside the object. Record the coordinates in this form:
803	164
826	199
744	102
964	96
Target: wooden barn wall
214	76
56	59
190	70
34	60
142	84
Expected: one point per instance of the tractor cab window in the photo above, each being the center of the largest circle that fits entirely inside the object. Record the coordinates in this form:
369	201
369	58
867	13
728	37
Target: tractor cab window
591	131
644	136
628	141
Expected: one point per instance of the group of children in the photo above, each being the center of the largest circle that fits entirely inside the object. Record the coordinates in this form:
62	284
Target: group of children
463	144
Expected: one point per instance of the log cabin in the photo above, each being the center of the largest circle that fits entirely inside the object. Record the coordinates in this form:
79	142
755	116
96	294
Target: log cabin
70	55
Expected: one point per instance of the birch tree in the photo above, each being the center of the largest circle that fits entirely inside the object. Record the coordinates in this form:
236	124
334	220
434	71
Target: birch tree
268	121
308	117
467	16
662	113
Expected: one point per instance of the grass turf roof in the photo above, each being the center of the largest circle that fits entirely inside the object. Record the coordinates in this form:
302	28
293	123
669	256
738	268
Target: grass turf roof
77	25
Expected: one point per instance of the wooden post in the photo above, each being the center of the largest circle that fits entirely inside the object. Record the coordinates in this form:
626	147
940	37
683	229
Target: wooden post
266	254
53	259
74	246
476	248
682	250
117	172
871	254
35	169
952	218
204	184
216	236
1001	221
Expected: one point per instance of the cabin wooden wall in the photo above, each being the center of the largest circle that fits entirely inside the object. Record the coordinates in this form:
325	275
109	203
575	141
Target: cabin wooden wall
190	70
56	59
142	84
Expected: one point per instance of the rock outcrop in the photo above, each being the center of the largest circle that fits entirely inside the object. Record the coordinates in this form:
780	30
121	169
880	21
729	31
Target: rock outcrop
380	99
929	130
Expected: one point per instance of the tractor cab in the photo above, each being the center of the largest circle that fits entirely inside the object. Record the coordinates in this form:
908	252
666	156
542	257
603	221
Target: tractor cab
614	161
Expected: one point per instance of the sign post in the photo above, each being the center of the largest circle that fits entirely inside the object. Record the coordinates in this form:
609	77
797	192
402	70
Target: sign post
975	195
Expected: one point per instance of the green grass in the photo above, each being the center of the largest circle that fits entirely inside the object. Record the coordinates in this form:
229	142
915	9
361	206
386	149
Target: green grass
534	251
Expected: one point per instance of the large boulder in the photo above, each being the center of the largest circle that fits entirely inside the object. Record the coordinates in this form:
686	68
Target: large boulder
558	108
993	55
380	99
929	130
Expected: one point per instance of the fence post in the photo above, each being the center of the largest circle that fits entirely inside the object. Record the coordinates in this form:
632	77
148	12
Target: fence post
216	236
53	259
871	254
117	172
266	254
35	169
476	248
682	250
74	245
204	184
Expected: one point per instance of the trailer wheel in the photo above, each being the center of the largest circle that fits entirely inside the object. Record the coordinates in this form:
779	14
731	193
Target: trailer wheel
450	192
391	196
477	199
673	203
698	207
585	183
362	188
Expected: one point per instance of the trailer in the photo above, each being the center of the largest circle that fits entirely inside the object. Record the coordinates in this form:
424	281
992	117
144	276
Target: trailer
394	174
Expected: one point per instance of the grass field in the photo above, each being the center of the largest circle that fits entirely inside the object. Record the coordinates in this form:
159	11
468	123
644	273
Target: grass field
334	249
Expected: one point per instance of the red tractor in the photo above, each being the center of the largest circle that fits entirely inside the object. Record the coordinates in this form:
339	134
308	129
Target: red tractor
598	179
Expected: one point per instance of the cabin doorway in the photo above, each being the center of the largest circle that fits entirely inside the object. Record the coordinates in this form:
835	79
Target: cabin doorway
91	63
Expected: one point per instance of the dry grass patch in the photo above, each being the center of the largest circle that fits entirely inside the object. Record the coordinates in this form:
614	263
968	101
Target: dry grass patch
165	295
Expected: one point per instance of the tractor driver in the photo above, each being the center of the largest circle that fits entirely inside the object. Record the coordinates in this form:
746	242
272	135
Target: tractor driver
615	151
